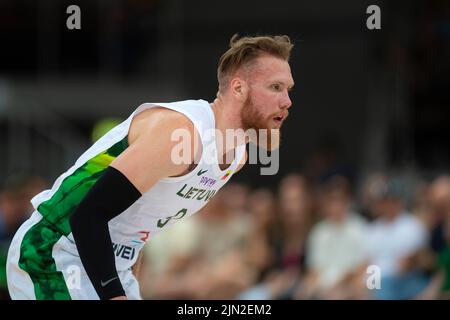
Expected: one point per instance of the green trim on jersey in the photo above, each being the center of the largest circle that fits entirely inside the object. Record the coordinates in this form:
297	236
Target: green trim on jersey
36	259
37	245
60	206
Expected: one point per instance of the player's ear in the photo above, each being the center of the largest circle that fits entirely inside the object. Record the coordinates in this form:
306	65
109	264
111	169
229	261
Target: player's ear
239	88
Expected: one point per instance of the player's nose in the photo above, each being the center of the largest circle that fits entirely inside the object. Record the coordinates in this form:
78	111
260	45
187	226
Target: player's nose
286	103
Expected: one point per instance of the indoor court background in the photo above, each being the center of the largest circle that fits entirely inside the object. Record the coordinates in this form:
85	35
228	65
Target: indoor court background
367	135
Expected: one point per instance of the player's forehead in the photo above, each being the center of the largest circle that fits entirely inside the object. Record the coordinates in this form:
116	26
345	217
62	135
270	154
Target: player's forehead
272	69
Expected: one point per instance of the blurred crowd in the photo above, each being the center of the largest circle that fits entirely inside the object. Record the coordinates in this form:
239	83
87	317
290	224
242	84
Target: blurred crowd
309	240
303	239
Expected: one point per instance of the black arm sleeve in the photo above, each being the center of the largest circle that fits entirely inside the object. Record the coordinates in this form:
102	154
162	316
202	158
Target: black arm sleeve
112	194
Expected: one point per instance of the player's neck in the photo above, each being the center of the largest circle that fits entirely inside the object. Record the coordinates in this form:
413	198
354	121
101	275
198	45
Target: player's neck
228	122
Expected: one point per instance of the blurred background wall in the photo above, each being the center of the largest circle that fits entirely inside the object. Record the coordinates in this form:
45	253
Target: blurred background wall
364	99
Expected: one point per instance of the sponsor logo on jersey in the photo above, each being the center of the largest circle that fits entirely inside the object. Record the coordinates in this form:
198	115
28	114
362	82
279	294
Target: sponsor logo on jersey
123	251
208	182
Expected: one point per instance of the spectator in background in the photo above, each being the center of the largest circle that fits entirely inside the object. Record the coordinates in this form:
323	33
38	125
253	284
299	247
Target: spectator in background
294	220
439	247
206	255
223	235
393	242
226	224
166	259
259	247
261	238
335	244
438	194
291	227
367	194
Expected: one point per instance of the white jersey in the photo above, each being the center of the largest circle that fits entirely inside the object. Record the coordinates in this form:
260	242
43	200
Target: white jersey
44	244
168	201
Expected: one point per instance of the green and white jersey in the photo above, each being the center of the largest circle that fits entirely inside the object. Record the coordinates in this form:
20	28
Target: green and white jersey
168	201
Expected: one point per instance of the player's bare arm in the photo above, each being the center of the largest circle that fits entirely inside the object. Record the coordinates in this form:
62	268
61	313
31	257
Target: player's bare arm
148	159
136	170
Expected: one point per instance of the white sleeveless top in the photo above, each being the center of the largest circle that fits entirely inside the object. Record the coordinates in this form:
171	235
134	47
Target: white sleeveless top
170	200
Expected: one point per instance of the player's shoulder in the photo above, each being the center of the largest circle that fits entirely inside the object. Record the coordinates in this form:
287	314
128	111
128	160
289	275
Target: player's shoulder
162	116
158	120
173	114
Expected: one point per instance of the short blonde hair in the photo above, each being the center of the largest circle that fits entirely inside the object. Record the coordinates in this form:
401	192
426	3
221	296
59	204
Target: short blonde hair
243	51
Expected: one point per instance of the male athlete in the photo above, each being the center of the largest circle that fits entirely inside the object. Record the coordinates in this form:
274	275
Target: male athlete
87	231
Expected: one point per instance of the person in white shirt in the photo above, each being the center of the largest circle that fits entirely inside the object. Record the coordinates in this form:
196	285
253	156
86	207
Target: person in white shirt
392	243
335	244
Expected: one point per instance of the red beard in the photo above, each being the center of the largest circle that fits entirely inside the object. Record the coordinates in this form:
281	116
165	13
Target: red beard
267	136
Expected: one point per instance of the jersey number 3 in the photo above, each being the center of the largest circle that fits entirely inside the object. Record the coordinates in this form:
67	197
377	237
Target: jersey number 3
179	215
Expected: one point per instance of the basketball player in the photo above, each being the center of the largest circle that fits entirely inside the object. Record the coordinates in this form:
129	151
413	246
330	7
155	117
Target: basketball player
87	231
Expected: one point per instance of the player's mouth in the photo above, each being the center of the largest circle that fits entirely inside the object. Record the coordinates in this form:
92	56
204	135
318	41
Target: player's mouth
278	119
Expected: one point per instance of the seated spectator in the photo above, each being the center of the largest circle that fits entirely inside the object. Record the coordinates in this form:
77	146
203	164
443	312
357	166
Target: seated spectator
202	261
439	202
261	238
166	256
290	227
335	244
393	243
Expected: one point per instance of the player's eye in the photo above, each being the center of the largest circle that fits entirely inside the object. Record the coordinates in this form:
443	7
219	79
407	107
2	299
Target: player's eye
276	87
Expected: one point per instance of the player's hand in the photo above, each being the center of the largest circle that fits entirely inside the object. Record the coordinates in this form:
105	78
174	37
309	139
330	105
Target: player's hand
120	298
